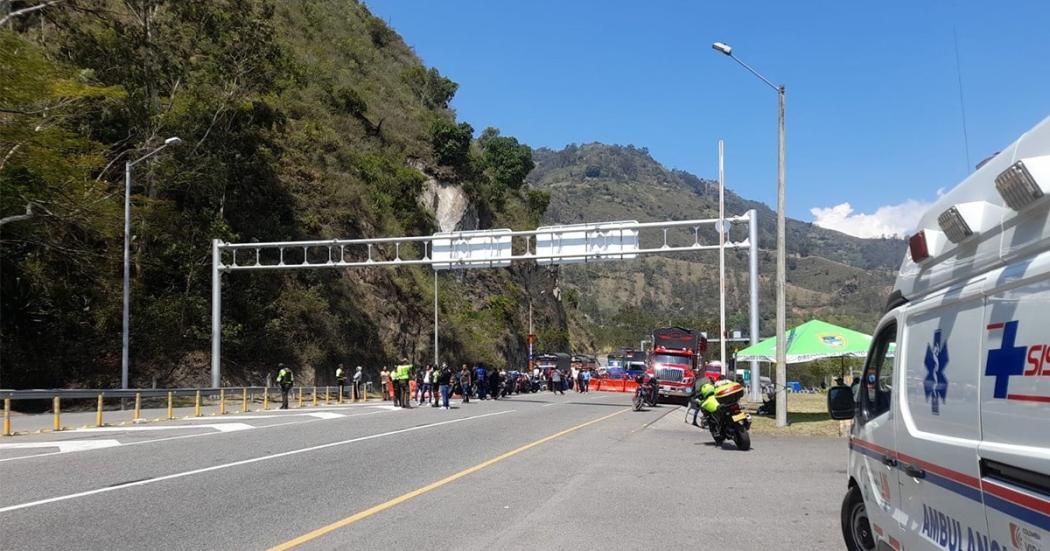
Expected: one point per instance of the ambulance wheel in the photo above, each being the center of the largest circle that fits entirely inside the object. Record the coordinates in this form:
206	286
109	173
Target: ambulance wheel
855	526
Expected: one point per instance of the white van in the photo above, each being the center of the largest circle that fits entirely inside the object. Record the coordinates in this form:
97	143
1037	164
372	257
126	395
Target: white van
950	442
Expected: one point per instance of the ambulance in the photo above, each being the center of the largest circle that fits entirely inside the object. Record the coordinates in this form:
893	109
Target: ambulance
950	436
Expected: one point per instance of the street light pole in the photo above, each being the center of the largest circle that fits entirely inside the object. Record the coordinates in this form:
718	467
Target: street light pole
126	315
781	278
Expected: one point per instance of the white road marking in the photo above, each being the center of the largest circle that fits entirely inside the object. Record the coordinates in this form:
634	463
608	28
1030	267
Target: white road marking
242	462
180	437
221	427
318	414
64	446
549	405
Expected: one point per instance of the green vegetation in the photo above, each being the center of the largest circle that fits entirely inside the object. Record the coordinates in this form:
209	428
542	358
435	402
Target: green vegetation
300	120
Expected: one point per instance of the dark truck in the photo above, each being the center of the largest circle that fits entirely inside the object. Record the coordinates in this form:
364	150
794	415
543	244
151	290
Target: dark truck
675	360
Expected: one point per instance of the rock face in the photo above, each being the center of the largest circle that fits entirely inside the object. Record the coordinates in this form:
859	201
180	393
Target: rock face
450	204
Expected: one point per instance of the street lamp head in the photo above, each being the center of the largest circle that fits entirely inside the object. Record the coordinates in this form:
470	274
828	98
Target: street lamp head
723	47
174	140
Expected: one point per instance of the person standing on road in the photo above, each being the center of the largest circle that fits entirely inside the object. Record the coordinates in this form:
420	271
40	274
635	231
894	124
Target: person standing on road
556	381
464	383
444	379
359	377
285	379
403	373
586	380
479	379
384	381
340	380
494	389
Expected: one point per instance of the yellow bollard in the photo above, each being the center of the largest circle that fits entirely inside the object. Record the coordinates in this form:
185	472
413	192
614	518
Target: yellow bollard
222	401
56	406
138	407
326	396
315	397
197	405
171	410
98	412
244	400
7	417
300	396
266	398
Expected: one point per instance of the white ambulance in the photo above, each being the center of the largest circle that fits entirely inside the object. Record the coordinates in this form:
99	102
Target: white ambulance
950	442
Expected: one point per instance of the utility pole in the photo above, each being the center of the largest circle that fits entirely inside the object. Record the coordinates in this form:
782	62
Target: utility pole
722	257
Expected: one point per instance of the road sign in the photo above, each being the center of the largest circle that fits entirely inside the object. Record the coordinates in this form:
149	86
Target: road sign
571	244
471	249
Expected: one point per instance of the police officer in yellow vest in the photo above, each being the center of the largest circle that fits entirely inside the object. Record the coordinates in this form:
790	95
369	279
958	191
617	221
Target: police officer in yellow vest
285	379
402	373
340	379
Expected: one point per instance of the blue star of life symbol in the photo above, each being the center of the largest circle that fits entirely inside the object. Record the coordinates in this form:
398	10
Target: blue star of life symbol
935	386
1005	361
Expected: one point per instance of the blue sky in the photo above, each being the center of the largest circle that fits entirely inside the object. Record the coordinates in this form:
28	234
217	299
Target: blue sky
873	96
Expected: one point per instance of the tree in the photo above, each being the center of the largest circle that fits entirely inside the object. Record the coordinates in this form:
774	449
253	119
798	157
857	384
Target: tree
451	143
505	160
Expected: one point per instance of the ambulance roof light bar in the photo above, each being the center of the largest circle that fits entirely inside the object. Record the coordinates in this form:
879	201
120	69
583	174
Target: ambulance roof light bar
1018	185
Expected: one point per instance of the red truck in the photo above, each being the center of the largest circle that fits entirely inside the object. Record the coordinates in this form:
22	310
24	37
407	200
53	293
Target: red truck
675	360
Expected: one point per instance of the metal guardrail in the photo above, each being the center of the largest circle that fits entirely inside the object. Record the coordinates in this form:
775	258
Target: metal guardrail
232	395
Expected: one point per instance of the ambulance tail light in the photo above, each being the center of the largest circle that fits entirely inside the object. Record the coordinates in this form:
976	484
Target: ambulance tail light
926	244
918	248
965	220
1018	185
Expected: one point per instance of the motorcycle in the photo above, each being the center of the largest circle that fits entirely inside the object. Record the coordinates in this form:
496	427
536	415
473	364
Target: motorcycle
723	416
639	398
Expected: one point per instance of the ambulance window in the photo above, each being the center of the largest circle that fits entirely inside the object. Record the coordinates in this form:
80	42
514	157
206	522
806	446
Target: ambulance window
877	381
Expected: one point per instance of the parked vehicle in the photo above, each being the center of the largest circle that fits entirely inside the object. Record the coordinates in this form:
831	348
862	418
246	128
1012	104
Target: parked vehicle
950	440
720	404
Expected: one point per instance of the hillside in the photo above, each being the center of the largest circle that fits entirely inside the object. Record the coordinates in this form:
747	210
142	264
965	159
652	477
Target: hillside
299	120
831	275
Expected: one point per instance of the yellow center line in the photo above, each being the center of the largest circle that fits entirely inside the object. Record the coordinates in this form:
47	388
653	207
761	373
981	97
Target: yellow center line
309	536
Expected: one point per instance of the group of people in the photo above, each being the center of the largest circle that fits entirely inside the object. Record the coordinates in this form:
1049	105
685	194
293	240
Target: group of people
406	384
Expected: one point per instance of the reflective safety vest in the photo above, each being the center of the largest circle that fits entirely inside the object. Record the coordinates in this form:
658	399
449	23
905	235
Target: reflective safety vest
285	376
339	374
403	372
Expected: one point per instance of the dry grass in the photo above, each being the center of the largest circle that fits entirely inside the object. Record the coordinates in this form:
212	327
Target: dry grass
807	416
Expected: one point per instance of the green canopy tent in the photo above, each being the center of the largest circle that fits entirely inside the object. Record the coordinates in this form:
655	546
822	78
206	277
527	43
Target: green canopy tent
813	340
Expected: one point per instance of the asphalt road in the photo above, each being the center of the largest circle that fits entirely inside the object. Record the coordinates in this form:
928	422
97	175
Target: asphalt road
530	472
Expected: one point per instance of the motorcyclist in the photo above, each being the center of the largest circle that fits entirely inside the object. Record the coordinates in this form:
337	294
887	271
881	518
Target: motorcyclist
651	384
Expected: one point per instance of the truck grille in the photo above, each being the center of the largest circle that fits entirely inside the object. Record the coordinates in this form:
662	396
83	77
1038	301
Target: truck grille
670	374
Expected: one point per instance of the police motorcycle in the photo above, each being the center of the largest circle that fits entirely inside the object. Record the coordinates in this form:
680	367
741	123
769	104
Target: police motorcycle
720	404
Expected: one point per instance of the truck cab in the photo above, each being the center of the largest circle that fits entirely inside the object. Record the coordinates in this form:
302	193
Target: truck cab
950	436
674	360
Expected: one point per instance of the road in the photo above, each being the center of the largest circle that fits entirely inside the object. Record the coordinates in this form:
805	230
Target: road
530	472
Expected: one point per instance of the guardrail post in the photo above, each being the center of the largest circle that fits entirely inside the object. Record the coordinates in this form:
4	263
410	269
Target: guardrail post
98	412
300	396
339	398
197	404
7	417
244	400
315	397
266	398
171	410
138	407
222	401
56	406
326	396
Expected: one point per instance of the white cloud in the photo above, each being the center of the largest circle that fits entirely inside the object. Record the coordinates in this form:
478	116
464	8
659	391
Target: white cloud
889	220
